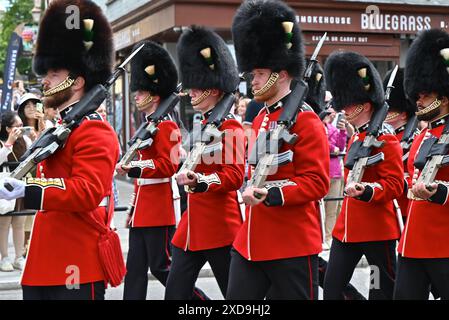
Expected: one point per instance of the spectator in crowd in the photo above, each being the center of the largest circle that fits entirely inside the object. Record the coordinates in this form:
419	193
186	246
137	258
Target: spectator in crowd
101	110
31	112
50	116
240	109
337	142
13	145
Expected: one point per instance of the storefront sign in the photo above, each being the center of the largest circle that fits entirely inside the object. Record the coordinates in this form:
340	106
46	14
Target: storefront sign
370	21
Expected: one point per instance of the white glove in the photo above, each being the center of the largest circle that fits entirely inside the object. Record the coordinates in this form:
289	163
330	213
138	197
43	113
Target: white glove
17	192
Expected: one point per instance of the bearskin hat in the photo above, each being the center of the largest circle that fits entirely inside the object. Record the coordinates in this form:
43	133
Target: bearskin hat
84	46
398	102
153	69
353	79
427	65
317	89
205	61
266	35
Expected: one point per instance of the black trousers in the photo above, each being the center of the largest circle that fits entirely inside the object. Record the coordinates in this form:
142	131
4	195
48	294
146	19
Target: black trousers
292	278
349	293
381	256
149	247
186	266
417	277
86	291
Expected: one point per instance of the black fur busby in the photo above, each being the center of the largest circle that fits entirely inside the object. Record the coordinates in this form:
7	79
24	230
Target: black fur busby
153	69
317	89
427	65
266	35
205	61
352	79
398	102
66	42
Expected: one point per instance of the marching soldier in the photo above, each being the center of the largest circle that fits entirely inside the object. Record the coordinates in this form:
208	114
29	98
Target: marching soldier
73	253
423	251
155	207
213	215
315	98
367	224
277	248
401	111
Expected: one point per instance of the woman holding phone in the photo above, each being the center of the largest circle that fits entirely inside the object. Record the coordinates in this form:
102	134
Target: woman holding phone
32	114
13	145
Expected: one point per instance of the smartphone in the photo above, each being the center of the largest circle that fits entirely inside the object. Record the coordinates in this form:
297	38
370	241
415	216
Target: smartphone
40	107
340	117
26	130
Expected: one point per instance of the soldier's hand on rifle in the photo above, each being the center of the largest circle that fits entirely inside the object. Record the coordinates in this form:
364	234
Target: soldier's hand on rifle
420	190
354	190
122	169
187	178
253	196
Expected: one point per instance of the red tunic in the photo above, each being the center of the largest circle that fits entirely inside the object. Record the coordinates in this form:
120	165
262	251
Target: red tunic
292	227
213	216
64	247
426	233
153	205
375	219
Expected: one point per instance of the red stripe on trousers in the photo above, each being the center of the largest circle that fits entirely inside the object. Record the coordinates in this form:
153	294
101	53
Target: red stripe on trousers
311	278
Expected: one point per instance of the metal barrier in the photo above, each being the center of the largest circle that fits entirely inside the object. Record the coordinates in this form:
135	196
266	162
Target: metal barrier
116	209
33	212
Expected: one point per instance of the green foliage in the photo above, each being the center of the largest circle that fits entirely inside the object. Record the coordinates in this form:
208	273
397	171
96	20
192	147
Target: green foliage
17	12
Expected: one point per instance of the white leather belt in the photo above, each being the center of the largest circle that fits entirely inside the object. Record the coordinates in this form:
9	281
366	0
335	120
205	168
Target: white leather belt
144	182
104	202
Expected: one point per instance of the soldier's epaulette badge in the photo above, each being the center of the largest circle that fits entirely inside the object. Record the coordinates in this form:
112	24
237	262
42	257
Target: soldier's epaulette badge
46	183
94	116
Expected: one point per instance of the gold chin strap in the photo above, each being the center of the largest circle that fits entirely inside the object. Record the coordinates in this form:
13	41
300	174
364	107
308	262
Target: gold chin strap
201	98
358	110
274	76
391	116
145	102
429	108
60	87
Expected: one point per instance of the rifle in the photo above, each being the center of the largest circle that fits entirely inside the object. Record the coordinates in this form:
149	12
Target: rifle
359	154
409	135
53	138
436	156
207	142
265	153
144	136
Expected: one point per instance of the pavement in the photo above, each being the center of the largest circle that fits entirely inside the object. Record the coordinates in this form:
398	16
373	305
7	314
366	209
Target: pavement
11	280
